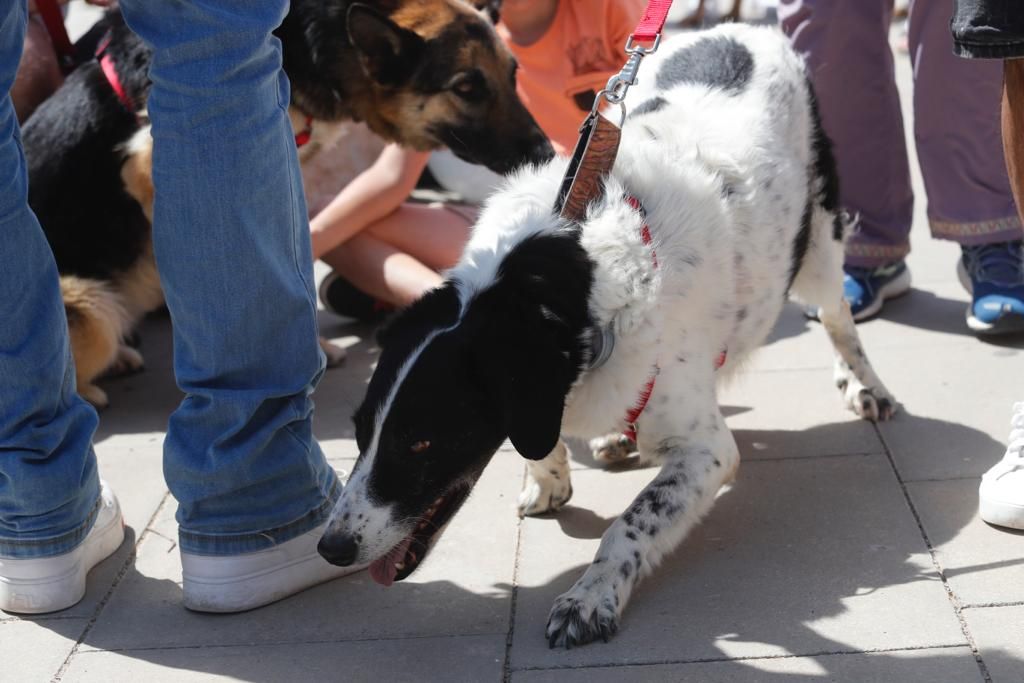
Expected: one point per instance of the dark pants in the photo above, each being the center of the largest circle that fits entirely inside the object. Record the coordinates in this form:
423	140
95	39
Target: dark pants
988	29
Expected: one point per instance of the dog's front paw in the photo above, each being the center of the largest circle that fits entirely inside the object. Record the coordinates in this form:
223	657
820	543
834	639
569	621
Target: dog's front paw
870	403
582	616
612	448
544	495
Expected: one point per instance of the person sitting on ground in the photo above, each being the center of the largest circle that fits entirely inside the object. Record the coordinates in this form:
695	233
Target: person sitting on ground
386	252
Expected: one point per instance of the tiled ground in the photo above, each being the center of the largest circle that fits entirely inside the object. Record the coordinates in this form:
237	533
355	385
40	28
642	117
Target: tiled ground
844	552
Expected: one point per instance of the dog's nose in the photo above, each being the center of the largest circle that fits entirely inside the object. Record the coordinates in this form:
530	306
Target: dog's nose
338	549
540	150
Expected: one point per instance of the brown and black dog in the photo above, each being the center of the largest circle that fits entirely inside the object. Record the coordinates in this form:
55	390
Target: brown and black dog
423	73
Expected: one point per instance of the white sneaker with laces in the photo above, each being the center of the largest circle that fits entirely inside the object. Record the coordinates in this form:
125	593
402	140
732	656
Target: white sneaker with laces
50	584
236	583
1001	494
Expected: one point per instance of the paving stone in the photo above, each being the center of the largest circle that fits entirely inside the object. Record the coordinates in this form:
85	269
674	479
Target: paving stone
462	589
999	635
134	470
956	404
983	564
797	413
34	649
801	557
906	666
141	403
466	658
766	427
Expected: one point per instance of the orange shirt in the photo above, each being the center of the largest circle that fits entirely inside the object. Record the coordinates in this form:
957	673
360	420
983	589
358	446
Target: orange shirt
560	73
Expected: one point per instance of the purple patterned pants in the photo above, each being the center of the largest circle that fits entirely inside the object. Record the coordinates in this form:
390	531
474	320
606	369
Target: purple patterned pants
956	125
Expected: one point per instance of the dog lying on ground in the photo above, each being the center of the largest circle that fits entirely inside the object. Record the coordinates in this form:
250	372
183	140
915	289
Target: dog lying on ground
425	74
547	328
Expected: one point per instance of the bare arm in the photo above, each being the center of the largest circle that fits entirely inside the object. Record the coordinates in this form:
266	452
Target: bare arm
373	194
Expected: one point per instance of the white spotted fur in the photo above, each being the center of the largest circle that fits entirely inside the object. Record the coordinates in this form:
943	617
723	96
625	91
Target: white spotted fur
724	179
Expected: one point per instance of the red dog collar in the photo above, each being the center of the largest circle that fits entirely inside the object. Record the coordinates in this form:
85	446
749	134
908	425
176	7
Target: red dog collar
110	73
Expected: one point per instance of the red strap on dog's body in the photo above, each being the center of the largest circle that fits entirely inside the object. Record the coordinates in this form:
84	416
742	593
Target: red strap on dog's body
306	134
645	394
53	19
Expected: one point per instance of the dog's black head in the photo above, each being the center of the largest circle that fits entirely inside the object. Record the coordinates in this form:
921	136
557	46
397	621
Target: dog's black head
425	74
459	372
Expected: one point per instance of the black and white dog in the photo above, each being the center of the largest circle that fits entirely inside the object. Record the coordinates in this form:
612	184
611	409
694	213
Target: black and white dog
546	328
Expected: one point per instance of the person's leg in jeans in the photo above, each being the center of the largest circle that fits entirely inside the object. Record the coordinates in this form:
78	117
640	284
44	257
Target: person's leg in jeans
232	246
851	66
50	500
957	129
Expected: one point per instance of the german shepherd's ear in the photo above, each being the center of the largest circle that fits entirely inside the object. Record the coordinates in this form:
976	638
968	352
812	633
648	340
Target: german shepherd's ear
492	8
387	52
530	376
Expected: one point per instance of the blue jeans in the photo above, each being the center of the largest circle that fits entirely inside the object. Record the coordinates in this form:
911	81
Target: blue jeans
232	246
48	485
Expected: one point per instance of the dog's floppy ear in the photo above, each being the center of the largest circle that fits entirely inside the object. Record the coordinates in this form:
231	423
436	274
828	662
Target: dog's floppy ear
530	377
387	52
528	373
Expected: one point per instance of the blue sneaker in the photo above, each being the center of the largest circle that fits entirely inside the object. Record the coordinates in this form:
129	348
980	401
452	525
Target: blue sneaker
994	275
866	289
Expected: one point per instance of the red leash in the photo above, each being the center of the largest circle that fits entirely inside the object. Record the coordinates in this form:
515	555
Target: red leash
652	21
53	19
595	153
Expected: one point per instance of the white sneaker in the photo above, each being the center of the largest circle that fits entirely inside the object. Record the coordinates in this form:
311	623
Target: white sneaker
1001	494
50	584
235	583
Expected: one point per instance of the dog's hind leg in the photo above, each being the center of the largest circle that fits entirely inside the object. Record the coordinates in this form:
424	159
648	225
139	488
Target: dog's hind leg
683	428
819	284
547	487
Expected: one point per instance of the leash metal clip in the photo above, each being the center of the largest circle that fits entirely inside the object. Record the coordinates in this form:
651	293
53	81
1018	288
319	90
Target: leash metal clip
615	90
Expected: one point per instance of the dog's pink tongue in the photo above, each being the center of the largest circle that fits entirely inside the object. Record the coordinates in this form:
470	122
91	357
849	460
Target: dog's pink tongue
383	571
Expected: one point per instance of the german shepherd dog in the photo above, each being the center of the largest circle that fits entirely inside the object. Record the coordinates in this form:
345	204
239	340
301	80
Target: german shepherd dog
423	73
723	200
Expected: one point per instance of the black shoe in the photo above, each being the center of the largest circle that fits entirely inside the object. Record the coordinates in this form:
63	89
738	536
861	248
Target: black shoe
341	297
